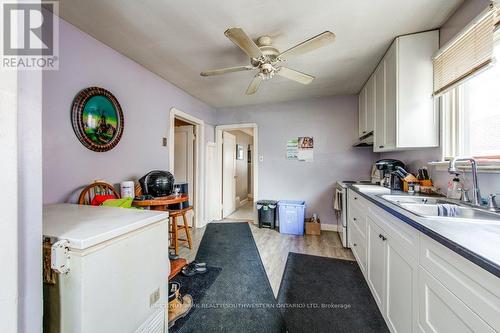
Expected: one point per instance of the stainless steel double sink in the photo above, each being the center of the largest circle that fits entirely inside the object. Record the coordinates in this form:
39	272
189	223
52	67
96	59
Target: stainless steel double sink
428	207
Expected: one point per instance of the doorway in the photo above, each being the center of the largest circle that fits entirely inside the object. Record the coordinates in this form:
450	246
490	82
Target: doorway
238	169
186	153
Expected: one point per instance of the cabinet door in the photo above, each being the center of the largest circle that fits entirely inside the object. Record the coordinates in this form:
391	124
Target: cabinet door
358	247
401	288
379	135
370	104
441	311
391	93
376	261
362	112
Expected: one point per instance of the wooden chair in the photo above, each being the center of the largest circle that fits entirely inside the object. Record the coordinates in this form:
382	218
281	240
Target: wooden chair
174	228
96	188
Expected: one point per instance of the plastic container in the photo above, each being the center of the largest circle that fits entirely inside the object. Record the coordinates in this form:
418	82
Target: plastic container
291	216
267	213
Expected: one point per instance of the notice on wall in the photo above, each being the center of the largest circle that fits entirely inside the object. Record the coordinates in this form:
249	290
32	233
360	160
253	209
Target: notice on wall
300	149
306	148
292	149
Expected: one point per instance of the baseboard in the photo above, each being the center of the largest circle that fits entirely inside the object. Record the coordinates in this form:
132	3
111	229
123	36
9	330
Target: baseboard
329	227
243	202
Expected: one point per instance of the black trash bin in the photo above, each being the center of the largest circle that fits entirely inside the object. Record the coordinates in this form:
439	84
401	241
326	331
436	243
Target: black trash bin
267	213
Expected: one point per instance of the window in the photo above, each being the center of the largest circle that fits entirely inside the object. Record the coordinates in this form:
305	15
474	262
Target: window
471	115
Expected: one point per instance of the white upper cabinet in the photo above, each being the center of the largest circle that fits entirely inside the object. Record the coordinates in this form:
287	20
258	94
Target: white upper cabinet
367	107
403	111
362	112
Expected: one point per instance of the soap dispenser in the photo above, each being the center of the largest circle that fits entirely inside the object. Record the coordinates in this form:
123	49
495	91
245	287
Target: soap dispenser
454	188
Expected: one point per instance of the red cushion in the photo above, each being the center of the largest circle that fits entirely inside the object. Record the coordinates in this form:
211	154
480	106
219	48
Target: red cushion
99	199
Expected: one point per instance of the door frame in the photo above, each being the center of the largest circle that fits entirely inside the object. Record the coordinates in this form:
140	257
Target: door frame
255	161
199	156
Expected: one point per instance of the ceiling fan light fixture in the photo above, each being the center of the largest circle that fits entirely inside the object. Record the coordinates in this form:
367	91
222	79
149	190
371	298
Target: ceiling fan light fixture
263	56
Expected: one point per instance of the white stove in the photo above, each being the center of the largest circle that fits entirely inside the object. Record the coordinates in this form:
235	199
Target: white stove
340	206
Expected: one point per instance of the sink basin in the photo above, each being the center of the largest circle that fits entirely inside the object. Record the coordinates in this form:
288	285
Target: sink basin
400	199
463	212
372	188
428	207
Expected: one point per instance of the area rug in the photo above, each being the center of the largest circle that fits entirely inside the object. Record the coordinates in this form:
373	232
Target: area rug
196	286
319	294
240	299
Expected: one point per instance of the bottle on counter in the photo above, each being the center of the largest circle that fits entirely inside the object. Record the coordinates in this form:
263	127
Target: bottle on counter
454	188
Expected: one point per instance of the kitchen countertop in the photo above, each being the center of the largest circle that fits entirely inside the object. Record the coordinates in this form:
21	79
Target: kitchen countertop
478	242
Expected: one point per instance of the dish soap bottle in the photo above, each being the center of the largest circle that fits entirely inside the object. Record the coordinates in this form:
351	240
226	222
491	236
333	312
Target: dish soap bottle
454	188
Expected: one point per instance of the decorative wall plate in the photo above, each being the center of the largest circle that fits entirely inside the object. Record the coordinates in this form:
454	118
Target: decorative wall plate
97	119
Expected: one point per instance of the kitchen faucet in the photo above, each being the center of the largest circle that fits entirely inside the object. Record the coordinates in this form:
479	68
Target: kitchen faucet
452	169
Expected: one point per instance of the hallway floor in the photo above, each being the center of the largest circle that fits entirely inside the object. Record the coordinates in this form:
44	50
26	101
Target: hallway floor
274	248
244	213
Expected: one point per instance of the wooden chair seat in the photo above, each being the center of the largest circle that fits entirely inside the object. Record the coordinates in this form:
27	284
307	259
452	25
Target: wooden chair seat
174	228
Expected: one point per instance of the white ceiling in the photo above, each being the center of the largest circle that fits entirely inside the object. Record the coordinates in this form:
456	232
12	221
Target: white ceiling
179	39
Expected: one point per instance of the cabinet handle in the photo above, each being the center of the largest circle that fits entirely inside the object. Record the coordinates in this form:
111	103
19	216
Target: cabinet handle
382	237
354	219
354	244
381	146
355	198
364	132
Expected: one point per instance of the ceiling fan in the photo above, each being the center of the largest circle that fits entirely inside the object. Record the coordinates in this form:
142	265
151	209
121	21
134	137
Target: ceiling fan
266	58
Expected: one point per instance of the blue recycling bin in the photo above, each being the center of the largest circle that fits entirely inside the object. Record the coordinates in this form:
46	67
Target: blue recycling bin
291	216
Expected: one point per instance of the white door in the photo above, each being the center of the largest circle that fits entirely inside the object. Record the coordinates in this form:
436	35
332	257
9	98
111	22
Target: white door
379	108
228	174
362	112
213	206
184	161
391	99
370	104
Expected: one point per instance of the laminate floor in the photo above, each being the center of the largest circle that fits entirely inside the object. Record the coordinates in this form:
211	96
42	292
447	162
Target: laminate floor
274	248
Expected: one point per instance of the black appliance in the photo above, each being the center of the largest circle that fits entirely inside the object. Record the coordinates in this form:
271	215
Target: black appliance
387	167
157	183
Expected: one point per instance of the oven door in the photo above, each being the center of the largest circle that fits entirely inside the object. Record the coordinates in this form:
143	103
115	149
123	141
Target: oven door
342	221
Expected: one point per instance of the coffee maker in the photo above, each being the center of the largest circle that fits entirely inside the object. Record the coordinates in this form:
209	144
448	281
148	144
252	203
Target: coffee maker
383	173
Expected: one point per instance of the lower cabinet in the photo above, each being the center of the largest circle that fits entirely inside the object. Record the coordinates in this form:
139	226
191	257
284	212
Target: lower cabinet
376	262
418	284
441	311
401	288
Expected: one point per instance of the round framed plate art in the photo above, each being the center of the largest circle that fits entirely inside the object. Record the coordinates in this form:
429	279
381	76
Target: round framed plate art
97	119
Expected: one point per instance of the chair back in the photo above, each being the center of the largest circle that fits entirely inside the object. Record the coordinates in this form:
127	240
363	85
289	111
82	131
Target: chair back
96	188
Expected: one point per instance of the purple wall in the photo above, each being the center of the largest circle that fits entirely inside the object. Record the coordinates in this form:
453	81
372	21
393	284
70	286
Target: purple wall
144	97
332	122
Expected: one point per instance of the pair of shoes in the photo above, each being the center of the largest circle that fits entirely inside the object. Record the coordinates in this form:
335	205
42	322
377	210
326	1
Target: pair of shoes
172	255
194	268
178	305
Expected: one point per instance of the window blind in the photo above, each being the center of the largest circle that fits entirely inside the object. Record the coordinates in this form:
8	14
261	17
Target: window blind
466	54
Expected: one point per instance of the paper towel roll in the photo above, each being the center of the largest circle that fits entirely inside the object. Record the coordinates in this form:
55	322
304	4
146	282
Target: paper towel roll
127	189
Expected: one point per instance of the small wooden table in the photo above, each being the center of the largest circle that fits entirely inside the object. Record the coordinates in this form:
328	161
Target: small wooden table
161	203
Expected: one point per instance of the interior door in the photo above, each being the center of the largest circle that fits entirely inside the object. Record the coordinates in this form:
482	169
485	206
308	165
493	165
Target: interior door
213	205
184	161
228	174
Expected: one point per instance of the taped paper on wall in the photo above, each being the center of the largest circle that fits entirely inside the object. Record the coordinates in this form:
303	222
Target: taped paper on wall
306	148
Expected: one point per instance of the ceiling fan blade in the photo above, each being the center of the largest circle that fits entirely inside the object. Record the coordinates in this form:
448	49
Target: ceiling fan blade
311	44
241	39
219	71
294	75
254	85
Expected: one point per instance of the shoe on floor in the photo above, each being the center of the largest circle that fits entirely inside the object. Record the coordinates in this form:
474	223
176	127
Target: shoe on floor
178	308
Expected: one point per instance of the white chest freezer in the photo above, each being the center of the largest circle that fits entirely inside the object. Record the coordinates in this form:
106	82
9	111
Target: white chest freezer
113	269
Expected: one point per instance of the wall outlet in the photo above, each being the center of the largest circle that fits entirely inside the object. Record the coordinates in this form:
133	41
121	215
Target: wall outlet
164	142
154	297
